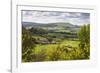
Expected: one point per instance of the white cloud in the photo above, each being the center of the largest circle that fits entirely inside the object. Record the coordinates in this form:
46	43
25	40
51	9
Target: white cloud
53	17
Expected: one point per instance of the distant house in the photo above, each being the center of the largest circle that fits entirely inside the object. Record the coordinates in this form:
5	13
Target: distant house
53	42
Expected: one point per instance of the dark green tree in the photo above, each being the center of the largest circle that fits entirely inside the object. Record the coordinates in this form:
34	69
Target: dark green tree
84	38
27	45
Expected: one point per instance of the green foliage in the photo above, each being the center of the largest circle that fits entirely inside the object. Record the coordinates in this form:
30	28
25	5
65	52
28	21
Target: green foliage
67	50
55	53
84	38
39	55
27	45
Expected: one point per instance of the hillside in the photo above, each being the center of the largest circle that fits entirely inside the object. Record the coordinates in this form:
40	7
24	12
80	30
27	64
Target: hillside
64	27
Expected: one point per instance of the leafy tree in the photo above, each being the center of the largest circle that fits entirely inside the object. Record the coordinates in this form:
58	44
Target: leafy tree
27	45
84	38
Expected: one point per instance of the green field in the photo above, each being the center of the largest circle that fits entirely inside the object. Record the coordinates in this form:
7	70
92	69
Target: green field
66	50
40	45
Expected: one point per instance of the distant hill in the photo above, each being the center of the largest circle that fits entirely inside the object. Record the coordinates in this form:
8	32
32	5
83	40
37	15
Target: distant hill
52	26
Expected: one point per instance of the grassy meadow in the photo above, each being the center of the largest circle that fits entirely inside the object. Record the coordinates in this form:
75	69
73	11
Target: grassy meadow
55	42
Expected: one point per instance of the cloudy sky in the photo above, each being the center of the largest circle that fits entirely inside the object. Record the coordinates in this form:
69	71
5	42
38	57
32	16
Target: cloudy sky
76	18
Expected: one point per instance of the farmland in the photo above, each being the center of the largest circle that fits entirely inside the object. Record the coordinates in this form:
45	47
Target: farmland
53	42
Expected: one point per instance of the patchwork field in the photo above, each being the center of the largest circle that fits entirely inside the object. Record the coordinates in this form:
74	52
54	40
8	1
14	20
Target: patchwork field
56	42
